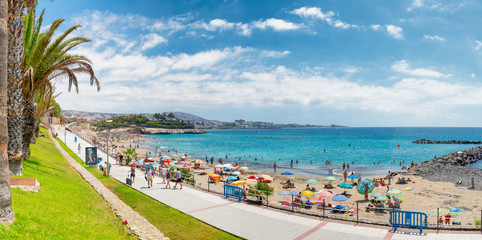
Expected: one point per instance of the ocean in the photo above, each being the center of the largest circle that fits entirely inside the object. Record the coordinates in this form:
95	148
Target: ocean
369	151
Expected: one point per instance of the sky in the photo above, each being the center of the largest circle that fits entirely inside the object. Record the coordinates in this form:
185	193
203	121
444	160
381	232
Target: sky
355	63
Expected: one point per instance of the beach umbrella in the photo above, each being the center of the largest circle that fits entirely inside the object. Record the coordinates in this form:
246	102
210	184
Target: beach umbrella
441	212
361	186
235	173
134	165
375	195
232	177
183	157
227	165
339	198
286	203
292	178
184	163
308	194
165	156
218	165
311	181
353	176
199	161
156	164
244	168
345	185
330	179
382	199
325	194
251	177
455	211
173	166
166	160
393	192
294	193
272	202
283	193
217	169
238	183
266	177
402	171
286	173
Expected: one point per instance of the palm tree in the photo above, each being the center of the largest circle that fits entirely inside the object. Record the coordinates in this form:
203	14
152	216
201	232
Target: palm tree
130	153
15	107
6	212
45	60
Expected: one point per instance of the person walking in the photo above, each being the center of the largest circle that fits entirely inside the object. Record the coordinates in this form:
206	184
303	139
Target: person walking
345	174
168	179
79	148
178	178
133	174
163	174
473	181
149	176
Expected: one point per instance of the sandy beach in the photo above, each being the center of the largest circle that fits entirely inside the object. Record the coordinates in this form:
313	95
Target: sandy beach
419	195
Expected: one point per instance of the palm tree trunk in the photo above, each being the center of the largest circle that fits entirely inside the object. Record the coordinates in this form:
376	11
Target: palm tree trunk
6	212
28	126
15	107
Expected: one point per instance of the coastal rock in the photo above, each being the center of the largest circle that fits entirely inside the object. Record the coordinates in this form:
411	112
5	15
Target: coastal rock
425	141
171	131
454	167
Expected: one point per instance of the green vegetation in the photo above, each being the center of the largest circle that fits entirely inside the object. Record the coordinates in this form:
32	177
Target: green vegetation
66	206
260	190
171	222
162	121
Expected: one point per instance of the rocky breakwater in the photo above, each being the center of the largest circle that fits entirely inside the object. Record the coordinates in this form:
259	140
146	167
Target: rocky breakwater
171	131
454	167
425	141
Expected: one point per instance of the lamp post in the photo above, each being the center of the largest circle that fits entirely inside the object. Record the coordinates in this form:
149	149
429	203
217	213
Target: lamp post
108	136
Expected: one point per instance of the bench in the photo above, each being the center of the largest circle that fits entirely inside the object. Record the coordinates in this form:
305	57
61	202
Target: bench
233	191
408	219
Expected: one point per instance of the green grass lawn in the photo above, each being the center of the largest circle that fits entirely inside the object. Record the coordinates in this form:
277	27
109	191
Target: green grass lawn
173	223
66	207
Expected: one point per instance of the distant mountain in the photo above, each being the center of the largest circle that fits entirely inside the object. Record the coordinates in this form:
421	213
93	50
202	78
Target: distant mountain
188	116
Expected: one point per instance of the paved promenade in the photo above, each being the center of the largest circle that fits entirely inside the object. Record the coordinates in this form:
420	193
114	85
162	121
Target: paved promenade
253	222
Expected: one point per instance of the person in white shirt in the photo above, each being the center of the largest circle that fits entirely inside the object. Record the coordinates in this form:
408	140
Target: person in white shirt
178	178
149	175
163	174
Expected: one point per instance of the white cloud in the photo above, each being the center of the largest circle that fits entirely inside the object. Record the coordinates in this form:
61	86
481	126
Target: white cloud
317	13
276	24
376	27
133	81
479	45
415	4
151	40
403	67
436	5
274	54
313	12
434	37
394	31
472	75
218	24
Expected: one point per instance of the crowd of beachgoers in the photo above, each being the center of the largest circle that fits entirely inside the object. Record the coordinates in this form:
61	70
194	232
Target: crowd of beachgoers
401	189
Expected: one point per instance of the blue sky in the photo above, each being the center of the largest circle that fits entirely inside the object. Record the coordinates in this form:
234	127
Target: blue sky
356	63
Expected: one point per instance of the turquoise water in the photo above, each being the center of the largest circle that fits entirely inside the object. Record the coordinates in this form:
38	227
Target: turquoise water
360	147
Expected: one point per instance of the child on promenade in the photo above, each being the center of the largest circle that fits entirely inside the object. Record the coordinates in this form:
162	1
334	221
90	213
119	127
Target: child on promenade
149	175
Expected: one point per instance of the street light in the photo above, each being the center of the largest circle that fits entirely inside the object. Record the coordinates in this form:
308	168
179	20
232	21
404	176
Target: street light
108	137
